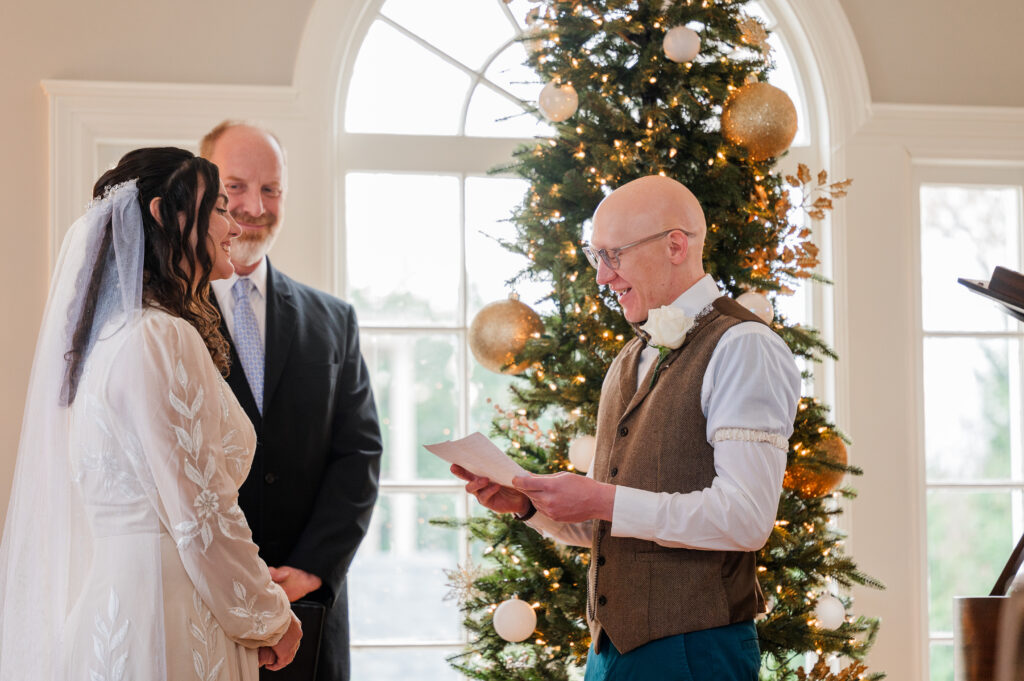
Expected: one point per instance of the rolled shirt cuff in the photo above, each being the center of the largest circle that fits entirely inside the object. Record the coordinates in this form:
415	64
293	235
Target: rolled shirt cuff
635	513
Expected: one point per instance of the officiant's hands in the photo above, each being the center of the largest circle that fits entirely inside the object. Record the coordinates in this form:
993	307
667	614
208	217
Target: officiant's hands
295	582
568	497
281	654
498	498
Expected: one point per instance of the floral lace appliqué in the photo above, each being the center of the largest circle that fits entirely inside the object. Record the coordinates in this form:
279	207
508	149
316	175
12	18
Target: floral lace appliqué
204	630
110	635
234	453
257	619
110	464
207	503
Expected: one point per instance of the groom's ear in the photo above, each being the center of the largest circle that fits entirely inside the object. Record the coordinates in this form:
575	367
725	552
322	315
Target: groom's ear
154	209
678	247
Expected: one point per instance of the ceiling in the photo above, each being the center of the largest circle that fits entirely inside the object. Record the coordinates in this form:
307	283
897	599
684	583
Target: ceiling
955	52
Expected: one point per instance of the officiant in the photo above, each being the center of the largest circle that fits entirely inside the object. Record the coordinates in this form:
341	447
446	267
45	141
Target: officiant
692	434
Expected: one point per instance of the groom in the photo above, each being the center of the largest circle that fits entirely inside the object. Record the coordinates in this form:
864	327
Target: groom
689	463
298	373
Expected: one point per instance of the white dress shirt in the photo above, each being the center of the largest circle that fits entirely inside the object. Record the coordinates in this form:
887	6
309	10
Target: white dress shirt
749	396
257	298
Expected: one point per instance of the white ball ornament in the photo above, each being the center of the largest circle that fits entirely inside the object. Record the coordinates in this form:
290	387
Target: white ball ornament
829	612
581	452
558	103
515	620
758	304
681	44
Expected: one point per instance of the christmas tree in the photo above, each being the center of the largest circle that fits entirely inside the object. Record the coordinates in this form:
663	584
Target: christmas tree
634	88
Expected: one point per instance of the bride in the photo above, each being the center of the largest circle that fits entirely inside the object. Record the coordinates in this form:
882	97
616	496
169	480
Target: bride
125	555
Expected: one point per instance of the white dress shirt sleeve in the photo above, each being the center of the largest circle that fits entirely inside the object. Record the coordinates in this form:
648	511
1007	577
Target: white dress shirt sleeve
574	534
749	397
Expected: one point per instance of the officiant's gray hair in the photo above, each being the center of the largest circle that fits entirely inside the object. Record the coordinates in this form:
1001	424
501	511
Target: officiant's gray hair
209	140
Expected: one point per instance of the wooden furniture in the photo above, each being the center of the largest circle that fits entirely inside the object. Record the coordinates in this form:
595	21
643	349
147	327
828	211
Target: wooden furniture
977	619
976	625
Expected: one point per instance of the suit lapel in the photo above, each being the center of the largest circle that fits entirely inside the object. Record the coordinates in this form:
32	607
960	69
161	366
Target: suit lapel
281	318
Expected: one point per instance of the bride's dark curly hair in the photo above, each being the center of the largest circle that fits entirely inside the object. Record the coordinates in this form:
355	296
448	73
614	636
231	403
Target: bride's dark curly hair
188	187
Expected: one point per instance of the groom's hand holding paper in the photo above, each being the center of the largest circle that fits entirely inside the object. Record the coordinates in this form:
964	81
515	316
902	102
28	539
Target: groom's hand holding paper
478	455
502	485
569	497
488	472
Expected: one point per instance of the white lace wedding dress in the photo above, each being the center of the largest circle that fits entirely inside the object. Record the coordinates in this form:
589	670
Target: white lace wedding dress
166	582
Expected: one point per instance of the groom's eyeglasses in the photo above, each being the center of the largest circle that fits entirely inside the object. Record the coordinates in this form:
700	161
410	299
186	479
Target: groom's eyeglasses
610	256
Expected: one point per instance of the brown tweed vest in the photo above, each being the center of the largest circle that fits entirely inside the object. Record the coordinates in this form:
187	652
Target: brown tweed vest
655	439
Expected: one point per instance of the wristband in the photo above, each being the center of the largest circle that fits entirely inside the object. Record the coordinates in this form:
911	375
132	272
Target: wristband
529	514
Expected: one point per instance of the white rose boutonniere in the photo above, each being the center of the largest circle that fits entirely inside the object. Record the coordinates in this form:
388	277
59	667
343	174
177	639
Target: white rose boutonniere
667	326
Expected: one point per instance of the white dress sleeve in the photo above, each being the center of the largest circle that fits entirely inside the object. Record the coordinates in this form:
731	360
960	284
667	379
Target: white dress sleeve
171	397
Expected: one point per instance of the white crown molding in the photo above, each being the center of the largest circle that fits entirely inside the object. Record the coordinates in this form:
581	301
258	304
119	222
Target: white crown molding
955	133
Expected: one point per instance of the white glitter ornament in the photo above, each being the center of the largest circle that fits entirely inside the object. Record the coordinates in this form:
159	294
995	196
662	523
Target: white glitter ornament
681	44
758	304
829	612
514	620
558	103
581	452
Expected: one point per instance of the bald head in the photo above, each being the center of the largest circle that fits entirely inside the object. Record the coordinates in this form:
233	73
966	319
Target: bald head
654	203
654	272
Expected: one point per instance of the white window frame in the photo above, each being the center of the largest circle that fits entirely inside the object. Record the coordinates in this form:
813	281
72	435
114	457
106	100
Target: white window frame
973	173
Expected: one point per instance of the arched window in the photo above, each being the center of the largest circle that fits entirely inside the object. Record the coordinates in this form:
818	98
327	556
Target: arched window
426	109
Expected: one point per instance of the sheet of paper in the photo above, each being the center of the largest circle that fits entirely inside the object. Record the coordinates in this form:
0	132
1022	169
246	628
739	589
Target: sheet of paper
480	456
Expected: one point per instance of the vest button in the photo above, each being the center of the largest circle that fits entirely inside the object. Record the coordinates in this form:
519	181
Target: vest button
600	560
623	431
614	472
601	600
270	478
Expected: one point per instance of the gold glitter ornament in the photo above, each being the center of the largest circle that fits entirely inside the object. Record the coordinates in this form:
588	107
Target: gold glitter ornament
752	33
499	332
761	118
810	480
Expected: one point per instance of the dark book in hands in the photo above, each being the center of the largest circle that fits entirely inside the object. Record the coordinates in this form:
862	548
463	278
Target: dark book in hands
303	667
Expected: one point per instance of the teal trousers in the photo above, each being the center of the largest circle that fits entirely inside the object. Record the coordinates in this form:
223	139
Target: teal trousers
727	653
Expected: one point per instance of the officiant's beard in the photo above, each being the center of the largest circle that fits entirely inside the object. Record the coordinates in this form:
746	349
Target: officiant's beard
251	245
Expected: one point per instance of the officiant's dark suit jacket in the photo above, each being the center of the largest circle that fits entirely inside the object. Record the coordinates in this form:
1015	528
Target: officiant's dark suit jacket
313	482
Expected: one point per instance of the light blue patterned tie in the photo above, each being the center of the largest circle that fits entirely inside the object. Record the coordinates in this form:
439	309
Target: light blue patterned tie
247	339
